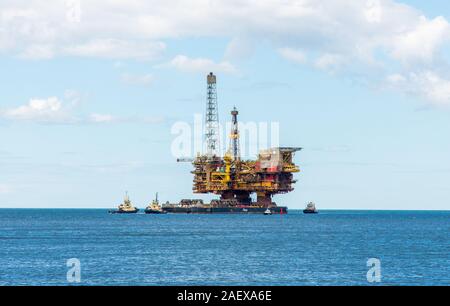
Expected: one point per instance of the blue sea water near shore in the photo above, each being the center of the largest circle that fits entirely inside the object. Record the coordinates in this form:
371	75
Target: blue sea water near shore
331	248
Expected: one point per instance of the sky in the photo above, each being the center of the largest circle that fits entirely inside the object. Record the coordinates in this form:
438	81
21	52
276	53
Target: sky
91	92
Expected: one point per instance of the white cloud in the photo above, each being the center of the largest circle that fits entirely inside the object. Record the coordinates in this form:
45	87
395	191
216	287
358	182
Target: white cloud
293	55
117	49
102	118
422	42
73	97
427	84
396	78
134	79
342	36
373	11
54	110
136	29
51	110
37	52
44	110
433	87
103	48
329	62
204	65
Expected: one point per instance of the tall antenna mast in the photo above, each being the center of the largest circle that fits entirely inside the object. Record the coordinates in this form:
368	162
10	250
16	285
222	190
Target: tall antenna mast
212	118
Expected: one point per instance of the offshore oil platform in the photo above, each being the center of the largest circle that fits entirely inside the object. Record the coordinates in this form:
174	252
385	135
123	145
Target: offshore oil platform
235	180
232	178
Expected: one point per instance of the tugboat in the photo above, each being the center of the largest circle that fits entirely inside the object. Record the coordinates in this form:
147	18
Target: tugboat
310	209
268	212
126	207
155	208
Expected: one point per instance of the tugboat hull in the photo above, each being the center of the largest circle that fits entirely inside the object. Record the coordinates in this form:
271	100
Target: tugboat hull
123	212
310	211
154	212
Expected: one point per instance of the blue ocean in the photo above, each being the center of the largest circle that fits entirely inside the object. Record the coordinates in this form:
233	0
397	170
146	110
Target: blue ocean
331	248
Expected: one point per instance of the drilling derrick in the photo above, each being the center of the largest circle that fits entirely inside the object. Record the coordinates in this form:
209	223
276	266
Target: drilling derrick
212	118
234	179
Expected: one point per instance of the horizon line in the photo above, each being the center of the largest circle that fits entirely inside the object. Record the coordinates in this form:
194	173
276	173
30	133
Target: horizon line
294	209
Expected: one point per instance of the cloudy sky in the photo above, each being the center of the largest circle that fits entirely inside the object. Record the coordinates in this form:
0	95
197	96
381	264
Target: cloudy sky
90	91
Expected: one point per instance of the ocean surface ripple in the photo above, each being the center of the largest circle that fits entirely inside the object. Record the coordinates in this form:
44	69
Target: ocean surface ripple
331	248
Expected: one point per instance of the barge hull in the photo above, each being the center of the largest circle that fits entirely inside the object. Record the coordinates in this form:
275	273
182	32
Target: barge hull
224	210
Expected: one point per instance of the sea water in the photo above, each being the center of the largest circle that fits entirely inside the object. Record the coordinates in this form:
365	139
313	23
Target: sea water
331	248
